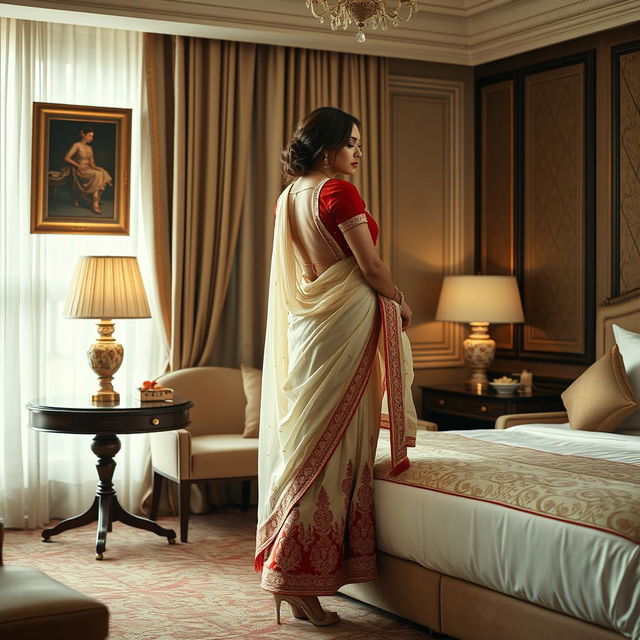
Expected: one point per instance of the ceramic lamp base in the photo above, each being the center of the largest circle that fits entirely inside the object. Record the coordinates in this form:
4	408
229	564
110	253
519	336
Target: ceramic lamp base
105	357
479	351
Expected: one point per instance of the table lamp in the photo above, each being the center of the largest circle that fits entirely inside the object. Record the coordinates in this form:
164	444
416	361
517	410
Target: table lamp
479	300
106	287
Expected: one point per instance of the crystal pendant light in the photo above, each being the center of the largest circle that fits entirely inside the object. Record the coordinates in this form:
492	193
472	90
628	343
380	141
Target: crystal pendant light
363	13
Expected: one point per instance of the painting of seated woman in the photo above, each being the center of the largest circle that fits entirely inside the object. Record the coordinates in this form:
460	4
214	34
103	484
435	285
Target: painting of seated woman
82	171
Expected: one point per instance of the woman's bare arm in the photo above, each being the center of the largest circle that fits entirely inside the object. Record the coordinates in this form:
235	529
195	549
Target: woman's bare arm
69	157
374	270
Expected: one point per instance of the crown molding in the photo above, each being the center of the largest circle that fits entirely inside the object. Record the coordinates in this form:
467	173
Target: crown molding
463	32
524	26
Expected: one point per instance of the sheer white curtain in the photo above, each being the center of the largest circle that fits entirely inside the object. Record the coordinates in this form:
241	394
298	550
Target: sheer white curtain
44	476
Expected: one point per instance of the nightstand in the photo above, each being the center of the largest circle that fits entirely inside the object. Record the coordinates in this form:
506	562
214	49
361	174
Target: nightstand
455	406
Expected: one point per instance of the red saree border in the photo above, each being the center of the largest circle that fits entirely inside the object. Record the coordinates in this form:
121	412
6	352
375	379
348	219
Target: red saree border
311	468
394	384
384	424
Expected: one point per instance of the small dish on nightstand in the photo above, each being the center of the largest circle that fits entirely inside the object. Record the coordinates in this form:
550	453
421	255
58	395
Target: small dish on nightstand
505	386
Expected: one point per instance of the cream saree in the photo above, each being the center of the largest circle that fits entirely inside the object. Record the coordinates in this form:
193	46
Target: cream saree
332	347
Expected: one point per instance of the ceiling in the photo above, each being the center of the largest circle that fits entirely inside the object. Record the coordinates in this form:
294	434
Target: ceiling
466	32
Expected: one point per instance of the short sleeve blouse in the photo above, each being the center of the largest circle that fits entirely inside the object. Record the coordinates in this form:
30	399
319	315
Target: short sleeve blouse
341	208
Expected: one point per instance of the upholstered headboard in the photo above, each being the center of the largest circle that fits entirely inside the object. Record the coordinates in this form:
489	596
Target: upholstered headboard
623	311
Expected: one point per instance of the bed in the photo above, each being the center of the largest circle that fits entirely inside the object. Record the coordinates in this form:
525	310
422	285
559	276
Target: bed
473	568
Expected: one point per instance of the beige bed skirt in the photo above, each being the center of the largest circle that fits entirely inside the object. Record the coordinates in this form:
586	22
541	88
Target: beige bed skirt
465	610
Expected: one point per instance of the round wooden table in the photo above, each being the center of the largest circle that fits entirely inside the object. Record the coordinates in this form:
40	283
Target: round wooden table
76	415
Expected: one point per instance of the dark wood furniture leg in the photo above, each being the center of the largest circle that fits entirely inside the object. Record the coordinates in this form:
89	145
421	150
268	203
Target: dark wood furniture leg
105	508
184	508
156	491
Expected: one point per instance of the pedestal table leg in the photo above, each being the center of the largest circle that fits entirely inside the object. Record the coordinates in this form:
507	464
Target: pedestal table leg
105	508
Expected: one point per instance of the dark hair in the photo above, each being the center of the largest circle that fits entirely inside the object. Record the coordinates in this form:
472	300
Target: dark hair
324	129
87	129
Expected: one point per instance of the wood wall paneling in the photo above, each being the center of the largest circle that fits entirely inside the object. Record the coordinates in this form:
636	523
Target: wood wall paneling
554	224
606	47
497	240
626	167
536	212
423	228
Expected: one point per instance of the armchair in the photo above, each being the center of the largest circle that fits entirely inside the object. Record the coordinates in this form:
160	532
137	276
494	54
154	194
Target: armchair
213	445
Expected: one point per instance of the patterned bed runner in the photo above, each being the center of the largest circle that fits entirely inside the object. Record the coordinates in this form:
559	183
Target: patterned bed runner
595	493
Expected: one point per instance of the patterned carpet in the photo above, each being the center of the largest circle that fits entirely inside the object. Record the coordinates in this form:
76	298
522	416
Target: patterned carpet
205	589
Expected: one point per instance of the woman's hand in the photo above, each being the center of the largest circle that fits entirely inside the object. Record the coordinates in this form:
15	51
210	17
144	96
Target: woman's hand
405	314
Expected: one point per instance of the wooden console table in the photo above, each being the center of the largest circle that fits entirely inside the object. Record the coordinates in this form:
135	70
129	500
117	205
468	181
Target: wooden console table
76	415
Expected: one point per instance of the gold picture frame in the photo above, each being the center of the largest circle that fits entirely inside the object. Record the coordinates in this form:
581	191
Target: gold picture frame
80	169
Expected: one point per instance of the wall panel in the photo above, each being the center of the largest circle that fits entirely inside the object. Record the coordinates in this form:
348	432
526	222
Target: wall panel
536	194
554	207
423	226
626	168
497	222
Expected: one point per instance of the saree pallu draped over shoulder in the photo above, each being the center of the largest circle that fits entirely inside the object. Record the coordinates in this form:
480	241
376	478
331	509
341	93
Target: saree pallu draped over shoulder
332	348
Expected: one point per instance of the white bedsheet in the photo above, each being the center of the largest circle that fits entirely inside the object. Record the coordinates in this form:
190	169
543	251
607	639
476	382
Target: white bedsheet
584	572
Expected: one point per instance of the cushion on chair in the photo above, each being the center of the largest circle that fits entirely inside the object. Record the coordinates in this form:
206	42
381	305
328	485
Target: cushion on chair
34	606
217	395
223	456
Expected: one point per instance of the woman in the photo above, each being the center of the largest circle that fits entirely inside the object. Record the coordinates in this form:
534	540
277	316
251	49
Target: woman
334	341
89	180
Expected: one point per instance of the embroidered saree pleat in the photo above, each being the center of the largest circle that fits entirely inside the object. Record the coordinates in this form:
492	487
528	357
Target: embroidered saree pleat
323	371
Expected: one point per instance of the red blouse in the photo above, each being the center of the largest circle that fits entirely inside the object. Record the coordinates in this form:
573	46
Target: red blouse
340	208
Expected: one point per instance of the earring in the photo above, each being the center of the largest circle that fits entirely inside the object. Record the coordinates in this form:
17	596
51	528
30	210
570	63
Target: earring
326	160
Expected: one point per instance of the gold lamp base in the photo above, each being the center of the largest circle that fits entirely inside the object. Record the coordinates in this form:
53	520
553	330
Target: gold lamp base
105	357
479	351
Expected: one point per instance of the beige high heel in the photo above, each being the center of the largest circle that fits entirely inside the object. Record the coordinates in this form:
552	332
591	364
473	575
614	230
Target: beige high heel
301	610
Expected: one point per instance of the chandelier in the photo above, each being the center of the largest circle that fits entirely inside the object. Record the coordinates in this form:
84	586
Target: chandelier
363	13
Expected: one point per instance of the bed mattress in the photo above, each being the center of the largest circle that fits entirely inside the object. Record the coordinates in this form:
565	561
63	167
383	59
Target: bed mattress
583	572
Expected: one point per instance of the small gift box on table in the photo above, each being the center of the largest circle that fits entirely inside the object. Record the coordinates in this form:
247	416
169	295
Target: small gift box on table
151	391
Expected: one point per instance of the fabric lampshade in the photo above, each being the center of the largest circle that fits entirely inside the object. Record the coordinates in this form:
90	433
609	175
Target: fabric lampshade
107	287
480	299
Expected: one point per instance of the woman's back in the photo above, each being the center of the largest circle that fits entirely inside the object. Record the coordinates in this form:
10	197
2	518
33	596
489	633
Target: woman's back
319	212
313	251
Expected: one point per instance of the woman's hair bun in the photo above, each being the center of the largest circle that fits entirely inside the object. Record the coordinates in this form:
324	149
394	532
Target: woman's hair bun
297	158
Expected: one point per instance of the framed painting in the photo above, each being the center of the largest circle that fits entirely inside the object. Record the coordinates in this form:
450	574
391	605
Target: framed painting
80	167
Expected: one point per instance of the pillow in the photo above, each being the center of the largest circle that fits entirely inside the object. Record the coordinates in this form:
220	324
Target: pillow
629	345
252	382
601	398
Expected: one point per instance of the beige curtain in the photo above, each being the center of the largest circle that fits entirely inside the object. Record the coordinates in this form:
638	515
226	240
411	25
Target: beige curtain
289	83
200	97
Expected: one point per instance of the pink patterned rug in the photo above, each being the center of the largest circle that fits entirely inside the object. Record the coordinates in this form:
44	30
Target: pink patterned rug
205	589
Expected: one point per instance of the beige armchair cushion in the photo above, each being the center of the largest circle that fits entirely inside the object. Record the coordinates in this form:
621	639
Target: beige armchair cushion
252	383
223	456
601	398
